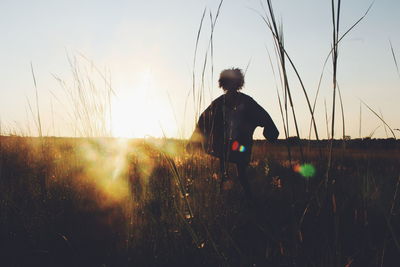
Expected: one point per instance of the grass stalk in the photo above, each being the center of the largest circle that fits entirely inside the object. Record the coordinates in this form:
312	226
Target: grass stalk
210	49
342	113
330	53
194	61
270	20
278	37
331	189
360	122
39	123
384	126
326	120
379	117
280	102
394	58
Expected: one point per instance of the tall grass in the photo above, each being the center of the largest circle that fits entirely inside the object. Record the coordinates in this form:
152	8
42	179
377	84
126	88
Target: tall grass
89	97
360	122
198	92
173	214
38	120
380	118
394	58
269	19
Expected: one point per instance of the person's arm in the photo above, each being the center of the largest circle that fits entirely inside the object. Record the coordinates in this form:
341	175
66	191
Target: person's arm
202	128
196	140
263	119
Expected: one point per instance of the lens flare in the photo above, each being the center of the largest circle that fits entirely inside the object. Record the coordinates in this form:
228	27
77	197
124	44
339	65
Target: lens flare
306	170
242	148
297	168
104	165
235	145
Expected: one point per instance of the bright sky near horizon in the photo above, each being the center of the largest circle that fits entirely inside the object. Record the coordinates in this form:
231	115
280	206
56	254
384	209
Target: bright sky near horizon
147	49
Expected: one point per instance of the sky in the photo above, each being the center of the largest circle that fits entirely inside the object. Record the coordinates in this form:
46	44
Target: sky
144	51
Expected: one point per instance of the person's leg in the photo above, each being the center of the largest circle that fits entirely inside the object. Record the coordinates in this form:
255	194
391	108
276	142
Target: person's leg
223	172
241	169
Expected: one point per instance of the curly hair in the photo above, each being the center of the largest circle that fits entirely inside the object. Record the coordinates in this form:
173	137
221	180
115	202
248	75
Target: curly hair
231	79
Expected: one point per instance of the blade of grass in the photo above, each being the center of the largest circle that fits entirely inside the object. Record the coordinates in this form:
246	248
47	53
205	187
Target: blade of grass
394	58
210	45
37	103
373	131
326	120
379	117
194	60
342	112
331	50
384	126
270	20
360	122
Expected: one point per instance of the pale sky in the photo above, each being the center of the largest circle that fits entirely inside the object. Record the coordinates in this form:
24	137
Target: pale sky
147	47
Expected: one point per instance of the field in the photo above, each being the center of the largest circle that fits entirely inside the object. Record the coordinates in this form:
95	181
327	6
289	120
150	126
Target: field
115	202
96	200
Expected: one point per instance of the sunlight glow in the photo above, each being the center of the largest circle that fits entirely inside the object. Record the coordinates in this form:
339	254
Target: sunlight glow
105	167
141	109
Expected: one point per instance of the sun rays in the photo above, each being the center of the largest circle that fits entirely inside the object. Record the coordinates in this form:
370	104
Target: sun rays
141	109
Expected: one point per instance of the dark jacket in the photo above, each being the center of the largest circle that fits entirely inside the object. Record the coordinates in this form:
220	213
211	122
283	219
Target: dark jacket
227	132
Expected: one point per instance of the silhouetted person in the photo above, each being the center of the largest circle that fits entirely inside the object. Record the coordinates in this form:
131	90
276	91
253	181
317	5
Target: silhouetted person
225	129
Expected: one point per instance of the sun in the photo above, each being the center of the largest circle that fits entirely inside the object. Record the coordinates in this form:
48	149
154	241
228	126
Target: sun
141	109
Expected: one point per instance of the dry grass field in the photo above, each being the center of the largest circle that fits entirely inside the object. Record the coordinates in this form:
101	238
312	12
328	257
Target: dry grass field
115	202
148	202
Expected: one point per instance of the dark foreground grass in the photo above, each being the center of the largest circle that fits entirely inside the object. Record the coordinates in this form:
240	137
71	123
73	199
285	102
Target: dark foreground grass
108	202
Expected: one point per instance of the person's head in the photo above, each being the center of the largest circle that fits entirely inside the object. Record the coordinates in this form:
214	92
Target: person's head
231	80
